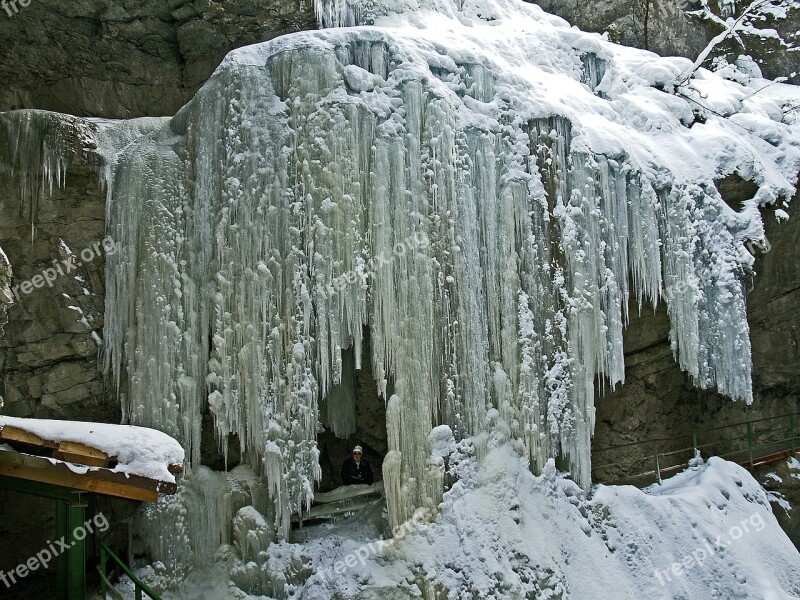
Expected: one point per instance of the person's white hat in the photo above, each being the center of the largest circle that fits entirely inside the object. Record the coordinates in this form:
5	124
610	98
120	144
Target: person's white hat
358	449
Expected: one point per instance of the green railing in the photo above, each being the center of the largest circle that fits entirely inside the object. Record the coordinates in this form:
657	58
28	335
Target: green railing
108	588
746	442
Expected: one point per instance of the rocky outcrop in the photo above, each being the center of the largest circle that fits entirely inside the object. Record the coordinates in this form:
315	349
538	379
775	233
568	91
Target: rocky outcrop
782	482
657	25
118	59
54	240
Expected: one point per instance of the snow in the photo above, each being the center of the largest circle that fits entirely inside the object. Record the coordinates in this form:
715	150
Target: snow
502	532
442	443
780	500
139	451
506	533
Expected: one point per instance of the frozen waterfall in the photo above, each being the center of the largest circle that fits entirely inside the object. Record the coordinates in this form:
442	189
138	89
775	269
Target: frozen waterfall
480	187
485	211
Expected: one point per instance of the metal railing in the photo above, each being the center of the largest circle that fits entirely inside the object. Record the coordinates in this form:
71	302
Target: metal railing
108	588
746	442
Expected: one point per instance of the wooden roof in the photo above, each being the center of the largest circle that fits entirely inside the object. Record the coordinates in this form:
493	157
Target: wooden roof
75	466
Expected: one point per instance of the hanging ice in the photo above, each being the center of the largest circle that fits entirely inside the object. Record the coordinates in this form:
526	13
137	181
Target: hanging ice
481	187
39	147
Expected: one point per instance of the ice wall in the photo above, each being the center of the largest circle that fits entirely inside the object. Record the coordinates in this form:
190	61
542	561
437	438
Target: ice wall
211	509
474	190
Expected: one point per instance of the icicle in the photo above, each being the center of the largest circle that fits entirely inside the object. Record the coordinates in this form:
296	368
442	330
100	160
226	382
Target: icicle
396	498
40	147
338	410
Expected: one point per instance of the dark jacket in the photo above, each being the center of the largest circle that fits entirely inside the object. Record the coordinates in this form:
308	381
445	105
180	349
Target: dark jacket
353	473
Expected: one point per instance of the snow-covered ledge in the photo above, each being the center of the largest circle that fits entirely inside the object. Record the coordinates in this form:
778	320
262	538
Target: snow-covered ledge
131	450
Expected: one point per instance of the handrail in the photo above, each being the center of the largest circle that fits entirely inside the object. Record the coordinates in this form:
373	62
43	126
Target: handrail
105	583
746	444
761	420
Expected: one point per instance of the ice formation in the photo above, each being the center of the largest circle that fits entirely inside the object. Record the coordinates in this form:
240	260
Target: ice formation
479	186
484	207
40	146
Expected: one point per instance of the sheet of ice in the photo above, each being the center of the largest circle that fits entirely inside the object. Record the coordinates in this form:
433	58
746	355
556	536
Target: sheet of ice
183	533
139	450
478	184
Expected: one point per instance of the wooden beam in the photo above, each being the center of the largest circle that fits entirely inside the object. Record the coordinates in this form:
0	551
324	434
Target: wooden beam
763	460
100	481
73	452
81	454
348	492
10	433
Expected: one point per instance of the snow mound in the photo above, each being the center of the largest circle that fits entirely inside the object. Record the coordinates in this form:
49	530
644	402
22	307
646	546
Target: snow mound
504	533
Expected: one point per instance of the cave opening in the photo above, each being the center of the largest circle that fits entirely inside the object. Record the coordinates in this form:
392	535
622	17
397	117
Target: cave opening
352	413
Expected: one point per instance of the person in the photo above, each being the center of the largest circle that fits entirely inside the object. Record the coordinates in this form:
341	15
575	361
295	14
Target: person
357	469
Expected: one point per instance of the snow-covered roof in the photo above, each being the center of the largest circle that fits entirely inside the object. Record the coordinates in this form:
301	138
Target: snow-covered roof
137	450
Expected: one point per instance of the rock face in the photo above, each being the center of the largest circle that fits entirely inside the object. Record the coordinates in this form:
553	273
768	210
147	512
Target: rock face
49	355
659	401
124	59
657	25
782	482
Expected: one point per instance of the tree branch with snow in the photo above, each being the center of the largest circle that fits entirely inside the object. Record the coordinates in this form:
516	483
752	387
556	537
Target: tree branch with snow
750	22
